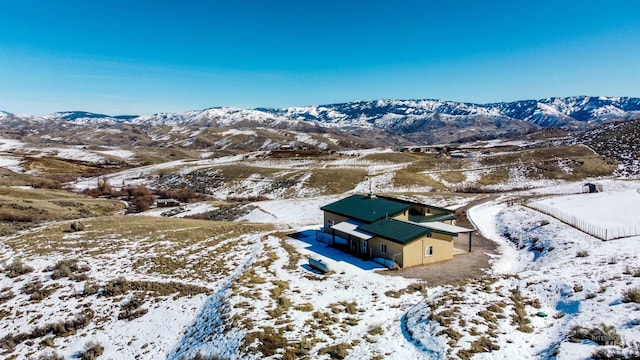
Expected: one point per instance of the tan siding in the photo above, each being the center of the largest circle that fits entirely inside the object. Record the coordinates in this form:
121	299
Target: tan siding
412	254
392	249
442	250
402	216
331	216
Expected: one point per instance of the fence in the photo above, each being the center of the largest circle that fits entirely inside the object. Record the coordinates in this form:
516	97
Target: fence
603	233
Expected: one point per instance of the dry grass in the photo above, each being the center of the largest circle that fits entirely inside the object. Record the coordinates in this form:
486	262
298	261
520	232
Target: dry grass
294	255
53	165
33	206
545	162
396	157
183	248
412	176
335	181
519	318
453	176
481	345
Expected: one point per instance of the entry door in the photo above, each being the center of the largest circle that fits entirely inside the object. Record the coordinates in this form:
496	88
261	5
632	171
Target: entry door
363	247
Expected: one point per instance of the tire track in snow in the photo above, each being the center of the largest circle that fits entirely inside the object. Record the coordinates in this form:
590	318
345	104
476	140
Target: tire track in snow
208	334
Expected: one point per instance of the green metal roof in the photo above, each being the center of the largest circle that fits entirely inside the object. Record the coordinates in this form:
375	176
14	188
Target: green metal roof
431	218
366	208
398	231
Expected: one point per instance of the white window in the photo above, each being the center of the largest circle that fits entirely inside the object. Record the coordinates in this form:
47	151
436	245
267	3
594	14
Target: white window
383	248
428	251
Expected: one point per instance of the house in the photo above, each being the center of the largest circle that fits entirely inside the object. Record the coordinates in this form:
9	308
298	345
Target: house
167	202
405	232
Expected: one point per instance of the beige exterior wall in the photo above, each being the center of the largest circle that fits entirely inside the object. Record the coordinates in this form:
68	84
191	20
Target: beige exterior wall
442	250
403	216
414	253
334	217
394	250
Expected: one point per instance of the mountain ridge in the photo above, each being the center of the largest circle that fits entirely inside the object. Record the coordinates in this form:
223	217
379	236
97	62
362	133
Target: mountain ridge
420	121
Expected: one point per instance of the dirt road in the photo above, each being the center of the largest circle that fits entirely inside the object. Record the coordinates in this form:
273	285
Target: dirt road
461	267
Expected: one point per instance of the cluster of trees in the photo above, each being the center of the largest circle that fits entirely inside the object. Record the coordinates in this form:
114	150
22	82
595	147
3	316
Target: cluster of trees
139	197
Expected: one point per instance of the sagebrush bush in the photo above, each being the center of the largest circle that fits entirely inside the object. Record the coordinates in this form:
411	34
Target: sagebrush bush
92	350
68	269
50	356
90	288
601	335
17	268
631	352
131	309
631	295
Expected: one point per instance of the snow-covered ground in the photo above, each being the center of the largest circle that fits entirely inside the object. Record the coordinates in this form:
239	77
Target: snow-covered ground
263	289
572	277
610	214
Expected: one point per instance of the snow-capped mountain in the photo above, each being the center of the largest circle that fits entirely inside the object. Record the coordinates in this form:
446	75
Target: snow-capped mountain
418	121
401	114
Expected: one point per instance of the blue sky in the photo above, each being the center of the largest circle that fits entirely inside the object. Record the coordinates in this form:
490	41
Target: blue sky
142	57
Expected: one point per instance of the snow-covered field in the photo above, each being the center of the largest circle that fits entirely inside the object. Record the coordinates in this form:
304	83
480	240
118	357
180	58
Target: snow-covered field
608	215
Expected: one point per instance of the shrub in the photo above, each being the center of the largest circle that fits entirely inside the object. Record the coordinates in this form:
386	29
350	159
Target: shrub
69	269
63	328
269	341
375	330
17	268
103	189
451	333
50	356
130	310
631	295
6	296
90	288
115	287
91	351
519	318
338	351
632	352
602	335
307	307
37	291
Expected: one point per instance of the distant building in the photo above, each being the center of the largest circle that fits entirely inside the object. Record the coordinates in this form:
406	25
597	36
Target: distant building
405	232
167	202
591	188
